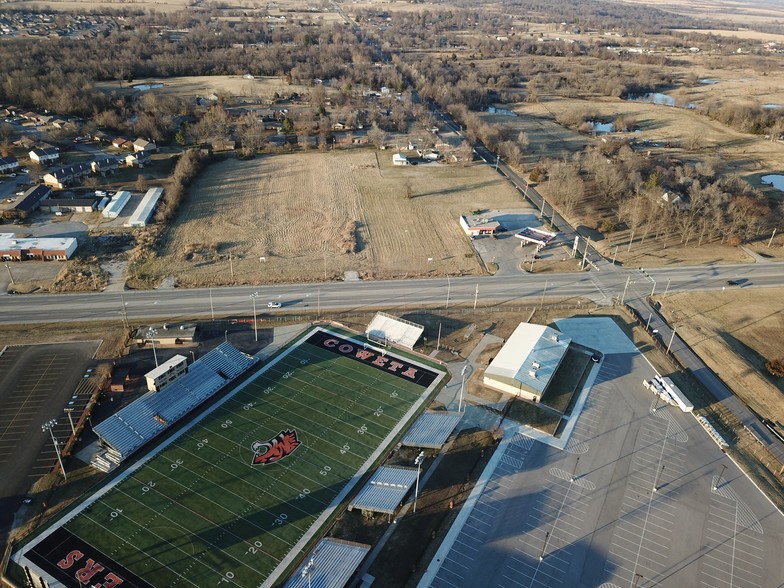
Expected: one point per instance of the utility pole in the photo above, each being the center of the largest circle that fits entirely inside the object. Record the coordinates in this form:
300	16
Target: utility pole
212	308
231	266
255	324
448	288
476	295
770	242
623	296
9	273
462	386
124	313
671	338
585	253
648	324
615	253
438	343
667	289
541	303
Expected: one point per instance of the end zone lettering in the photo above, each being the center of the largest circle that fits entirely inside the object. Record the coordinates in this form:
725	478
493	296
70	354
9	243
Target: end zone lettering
392	365
75	563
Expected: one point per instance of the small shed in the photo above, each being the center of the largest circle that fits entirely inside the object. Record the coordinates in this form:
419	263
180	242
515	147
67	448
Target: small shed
399	159
120	378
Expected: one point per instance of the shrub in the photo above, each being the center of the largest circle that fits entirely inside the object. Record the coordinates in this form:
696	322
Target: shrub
776	367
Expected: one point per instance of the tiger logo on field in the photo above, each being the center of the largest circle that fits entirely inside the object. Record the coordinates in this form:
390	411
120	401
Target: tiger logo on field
272	451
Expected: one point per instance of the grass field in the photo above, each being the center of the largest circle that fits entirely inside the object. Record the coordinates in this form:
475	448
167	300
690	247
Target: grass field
200	513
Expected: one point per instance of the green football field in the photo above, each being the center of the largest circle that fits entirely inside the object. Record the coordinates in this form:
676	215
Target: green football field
201	513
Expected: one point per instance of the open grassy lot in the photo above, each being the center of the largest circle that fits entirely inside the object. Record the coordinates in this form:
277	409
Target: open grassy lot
202	512
315	215
735	333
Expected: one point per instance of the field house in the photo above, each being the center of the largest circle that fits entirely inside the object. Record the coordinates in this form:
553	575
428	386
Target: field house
240	495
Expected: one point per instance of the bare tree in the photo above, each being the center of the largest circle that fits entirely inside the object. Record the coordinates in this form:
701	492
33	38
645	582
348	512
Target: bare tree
377	136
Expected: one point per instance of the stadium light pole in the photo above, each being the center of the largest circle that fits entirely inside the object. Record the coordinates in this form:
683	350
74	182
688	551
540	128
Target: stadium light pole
718	480
418	463
151	334
255	325
307	571
48	426
462	386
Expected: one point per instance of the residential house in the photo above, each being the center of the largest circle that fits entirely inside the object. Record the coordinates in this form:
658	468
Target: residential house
679	201
139	159
222	144
122	143
104	165
45	156
8	164
64	176
144	145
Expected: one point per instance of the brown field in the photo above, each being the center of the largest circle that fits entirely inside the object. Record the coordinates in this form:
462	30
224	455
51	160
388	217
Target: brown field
738	34
735	332
192	86
287	218
735	11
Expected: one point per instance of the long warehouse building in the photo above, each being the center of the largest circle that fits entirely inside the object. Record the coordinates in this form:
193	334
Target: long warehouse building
118	202
141	216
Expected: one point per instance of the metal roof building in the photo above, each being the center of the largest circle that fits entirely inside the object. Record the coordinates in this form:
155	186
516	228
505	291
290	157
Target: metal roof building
526	363
134	425
387	328
144	211
432	429
334	562
114	208
385	490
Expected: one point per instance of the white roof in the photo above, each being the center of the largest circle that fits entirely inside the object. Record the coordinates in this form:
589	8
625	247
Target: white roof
385	327
165	367
117	204
146	207
530	355
9	242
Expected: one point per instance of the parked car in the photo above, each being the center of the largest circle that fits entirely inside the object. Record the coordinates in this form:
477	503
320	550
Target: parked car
733	283
596	357
273	304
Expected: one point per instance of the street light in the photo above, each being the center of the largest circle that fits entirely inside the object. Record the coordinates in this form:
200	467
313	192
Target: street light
718	480
151	334
418	462
47	426
462	385
255	326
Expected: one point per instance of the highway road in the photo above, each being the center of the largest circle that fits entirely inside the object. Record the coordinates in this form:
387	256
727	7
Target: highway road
602	287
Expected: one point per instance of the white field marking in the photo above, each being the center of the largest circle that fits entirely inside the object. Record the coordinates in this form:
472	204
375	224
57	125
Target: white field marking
173	502
202	497
123	540
240	419
356	399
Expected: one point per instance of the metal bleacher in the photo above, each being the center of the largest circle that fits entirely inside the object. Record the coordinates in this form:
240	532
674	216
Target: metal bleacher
134	425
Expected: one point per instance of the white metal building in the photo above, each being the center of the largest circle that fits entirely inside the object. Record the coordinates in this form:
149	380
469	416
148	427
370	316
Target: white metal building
118	202
143	212
166	373
330	565
386	328
526	363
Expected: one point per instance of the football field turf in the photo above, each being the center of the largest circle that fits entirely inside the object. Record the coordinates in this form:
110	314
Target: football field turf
228	499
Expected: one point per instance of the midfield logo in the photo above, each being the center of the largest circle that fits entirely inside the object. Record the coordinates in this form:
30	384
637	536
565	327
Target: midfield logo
267	452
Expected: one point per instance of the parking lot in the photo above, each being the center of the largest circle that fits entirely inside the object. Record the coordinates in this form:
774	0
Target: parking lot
36	384
640	496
